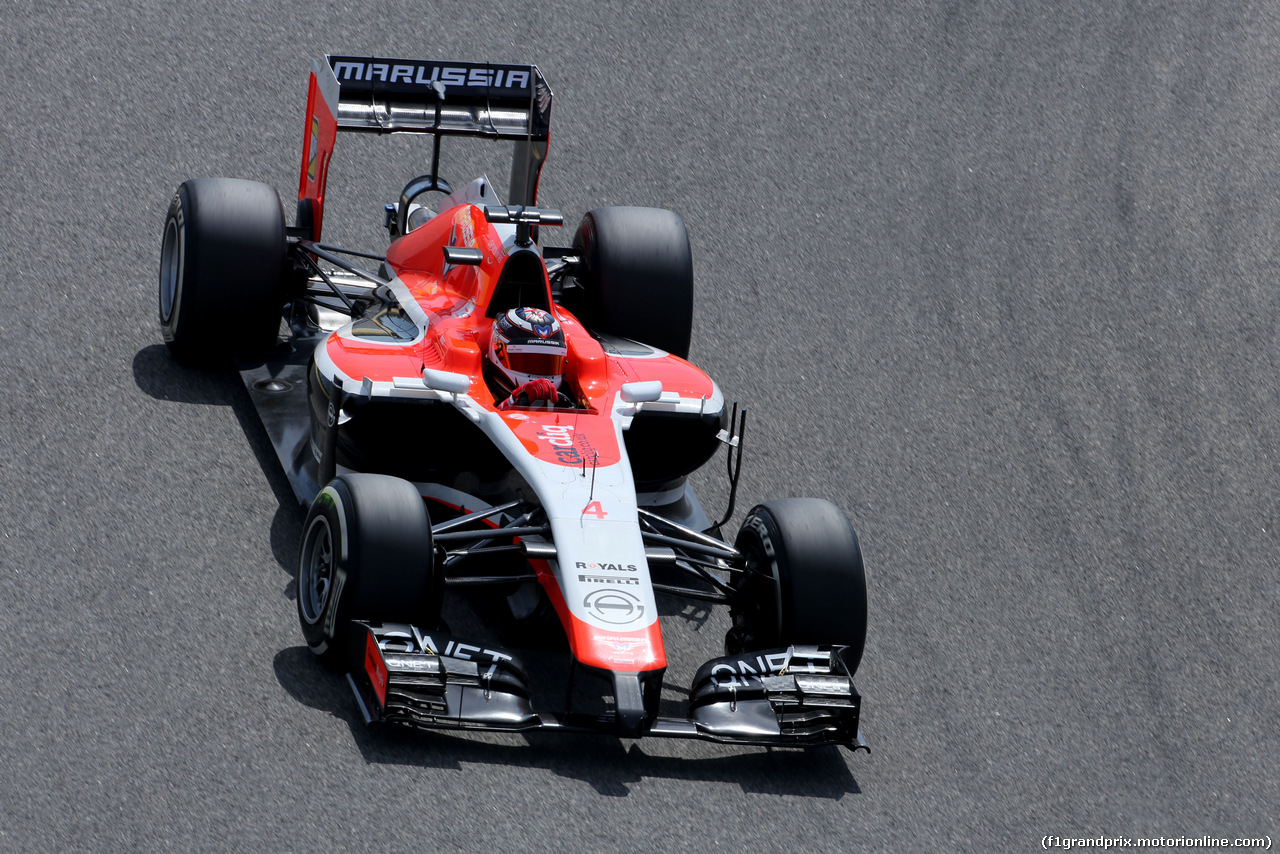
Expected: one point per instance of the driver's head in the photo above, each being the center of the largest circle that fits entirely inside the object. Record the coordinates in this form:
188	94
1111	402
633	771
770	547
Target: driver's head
527	344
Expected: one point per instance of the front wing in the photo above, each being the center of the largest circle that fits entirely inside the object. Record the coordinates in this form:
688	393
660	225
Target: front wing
802	696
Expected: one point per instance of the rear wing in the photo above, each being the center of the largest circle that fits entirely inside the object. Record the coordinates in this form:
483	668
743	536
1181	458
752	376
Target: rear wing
376	95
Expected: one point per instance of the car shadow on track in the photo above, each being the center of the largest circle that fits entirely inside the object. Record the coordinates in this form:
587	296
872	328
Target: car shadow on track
157	374
609	765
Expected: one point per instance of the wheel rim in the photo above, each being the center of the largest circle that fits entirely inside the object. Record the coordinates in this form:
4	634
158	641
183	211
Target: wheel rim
169	270
757	613
315	570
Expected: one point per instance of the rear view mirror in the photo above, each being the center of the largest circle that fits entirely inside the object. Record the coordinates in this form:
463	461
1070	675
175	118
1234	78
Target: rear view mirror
641	392
446	381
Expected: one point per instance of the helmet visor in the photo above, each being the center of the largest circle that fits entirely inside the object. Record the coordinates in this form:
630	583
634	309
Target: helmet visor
537	364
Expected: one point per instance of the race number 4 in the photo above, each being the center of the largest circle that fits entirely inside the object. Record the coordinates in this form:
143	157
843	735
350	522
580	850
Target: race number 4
594	509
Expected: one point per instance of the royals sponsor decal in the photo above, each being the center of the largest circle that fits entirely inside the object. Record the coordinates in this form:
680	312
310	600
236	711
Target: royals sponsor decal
611	567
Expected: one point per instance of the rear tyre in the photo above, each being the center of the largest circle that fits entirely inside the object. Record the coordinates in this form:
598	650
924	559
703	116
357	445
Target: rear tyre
804	582
222	271
366	554
637	279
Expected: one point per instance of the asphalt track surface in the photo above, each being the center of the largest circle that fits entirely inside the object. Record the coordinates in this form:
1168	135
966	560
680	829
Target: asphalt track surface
999	279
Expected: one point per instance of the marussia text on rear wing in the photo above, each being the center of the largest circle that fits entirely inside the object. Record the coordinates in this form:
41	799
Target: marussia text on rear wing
415	95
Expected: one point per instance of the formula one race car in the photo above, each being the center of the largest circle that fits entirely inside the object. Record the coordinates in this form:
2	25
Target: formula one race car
482	412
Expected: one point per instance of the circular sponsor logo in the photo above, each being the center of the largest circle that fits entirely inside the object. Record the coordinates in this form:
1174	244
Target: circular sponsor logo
615	607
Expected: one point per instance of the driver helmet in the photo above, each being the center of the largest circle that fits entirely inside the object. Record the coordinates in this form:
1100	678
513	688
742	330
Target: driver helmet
527	344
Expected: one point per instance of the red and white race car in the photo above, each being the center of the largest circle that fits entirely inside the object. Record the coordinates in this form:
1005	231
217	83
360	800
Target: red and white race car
471	409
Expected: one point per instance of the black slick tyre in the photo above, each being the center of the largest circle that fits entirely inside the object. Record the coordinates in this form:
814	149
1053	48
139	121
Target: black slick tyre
366	554
222	271
637	276
804	582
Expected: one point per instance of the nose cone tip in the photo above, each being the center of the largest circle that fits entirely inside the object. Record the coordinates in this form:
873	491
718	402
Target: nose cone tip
636	698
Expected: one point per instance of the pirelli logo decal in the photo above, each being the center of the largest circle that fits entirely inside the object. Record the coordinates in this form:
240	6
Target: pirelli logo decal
411	74
606	579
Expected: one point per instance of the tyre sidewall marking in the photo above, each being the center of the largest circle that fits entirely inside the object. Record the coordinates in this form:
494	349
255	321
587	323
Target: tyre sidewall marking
170	324
331	497
334	603
758	524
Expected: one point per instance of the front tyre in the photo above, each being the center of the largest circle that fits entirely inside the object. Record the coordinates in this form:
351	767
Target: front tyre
222	271
804	582
366	554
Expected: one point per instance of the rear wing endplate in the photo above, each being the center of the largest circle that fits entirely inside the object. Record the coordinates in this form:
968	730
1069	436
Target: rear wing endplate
378	95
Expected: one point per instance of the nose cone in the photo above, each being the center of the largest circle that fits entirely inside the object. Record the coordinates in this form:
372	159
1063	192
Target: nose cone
636	697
